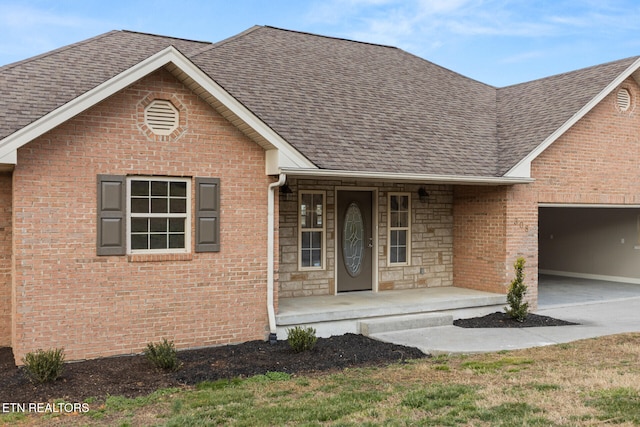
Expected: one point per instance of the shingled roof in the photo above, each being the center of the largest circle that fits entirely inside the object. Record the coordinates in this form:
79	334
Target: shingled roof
529	113
345	105
36	86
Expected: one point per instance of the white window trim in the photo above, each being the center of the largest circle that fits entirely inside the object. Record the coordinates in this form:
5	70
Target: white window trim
408	229
187	216
323	256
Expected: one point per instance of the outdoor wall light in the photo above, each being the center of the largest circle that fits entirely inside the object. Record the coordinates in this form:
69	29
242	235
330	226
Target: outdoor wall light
286	192
423	195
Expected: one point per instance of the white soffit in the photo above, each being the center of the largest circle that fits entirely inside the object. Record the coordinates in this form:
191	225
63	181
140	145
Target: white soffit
406	177
523	168
184	69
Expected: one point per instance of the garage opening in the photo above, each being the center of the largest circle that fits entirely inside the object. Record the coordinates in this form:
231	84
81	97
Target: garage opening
590	242
588	253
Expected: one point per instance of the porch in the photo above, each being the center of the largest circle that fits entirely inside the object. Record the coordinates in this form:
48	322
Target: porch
369	312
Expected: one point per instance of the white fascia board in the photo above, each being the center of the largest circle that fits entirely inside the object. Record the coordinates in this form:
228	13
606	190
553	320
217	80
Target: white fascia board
406	177
524	165
130	76
85	101
11	158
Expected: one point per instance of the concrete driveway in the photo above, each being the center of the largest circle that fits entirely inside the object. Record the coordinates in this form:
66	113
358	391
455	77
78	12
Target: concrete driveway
600	308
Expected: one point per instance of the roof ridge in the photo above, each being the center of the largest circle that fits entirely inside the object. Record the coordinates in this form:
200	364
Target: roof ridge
166	37
564	73
330	37
227	40
55	51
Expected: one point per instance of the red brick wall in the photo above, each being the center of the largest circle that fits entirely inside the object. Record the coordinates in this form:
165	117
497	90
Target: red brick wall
594	162
5	259
97	306
479	228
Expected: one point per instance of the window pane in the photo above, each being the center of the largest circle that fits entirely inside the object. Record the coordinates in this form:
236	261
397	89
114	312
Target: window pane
394	219
316	258
176	241
159	188
176	225
139	225
139	241
158	197
306	258
399	255
306	239
403	203
394	203
393	255
305	211
158	241
178	189
402	238
398	246
316	214
140	205
403	219
178	206
316	240
158	224
139	188
159	206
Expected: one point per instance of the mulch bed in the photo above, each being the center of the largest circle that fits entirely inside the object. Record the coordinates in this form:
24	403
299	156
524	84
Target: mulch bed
134	376
503	320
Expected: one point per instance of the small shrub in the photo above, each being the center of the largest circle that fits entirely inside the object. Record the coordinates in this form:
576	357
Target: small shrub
163	355
44	365
518	309
301	339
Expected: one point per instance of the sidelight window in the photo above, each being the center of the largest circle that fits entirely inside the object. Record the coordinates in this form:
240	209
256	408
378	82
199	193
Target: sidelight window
312	226
399	226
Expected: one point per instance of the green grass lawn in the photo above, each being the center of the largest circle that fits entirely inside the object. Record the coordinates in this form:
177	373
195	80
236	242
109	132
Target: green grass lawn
591	382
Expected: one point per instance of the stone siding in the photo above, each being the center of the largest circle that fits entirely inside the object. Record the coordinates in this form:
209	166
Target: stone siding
431	239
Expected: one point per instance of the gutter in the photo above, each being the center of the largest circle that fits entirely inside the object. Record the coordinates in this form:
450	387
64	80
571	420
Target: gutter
270	256
407	177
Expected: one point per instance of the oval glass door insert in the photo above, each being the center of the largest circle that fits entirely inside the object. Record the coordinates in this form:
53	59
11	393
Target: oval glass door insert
353	240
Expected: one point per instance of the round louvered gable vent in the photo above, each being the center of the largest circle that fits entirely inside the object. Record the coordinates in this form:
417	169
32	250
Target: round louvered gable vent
624	99
161	117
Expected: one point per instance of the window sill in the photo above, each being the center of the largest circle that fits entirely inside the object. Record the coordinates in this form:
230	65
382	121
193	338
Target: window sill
159	257
311	269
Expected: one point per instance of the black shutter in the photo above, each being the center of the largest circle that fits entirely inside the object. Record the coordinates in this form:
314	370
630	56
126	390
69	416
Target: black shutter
207	214
111	215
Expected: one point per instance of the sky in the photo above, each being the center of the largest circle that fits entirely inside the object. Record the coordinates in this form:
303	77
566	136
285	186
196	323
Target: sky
498	42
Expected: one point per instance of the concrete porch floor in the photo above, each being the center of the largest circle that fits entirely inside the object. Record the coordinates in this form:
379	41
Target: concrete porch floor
342	313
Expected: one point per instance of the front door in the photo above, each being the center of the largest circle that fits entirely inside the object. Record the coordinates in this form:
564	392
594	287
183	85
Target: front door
355	240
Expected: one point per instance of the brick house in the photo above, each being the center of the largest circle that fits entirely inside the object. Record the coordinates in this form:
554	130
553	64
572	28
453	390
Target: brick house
156	187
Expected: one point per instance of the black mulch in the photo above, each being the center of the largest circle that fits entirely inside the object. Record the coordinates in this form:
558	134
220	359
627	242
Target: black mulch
133	375
503	320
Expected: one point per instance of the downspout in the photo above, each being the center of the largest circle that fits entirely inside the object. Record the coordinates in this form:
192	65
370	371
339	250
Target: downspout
273	337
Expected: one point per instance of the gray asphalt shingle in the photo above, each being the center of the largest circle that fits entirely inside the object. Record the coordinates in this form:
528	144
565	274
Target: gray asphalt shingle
345	105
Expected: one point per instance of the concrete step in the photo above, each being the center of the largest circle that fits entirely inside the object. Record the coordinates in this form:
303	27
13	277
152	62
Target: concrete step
400	323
